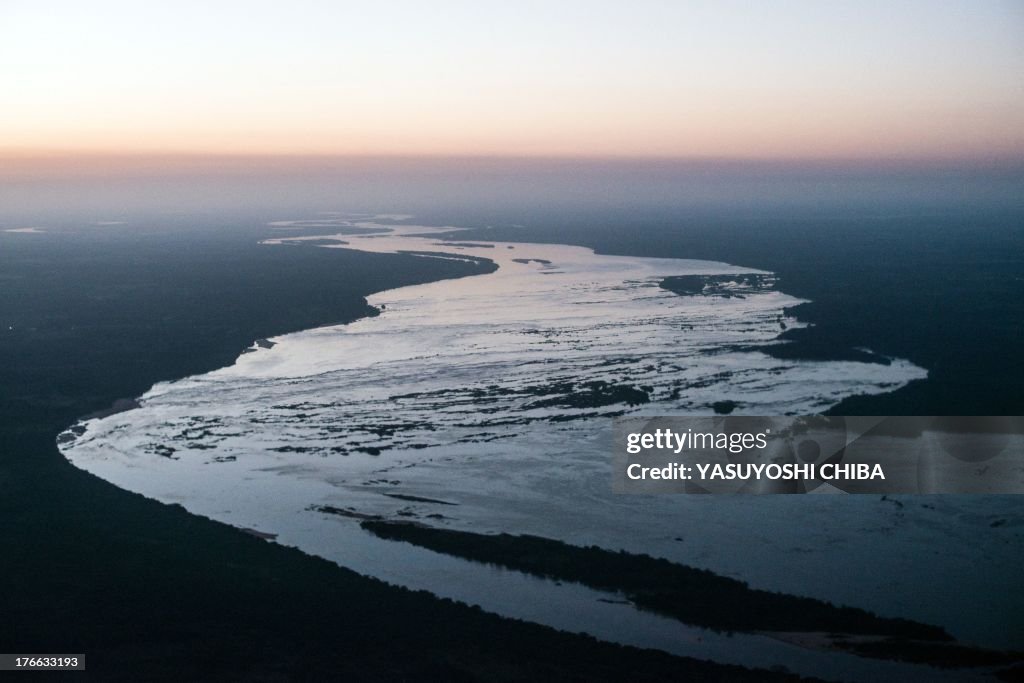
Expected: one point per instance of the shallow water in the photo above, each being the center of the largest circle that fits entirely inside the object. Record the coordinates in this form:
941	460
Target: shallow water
468	392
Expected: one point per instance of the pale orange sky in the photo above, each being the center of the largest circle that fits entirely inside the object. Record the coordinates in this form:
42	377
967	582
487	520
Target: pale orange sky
911	79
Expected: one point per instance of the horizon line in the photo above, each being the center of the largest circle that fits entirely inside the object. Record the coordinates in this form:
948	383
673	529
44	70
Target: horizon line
42	155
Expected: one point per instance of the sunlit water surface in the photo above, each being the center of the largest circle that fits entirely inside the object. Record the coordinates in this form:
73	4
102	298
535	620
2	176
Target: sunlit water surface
492	396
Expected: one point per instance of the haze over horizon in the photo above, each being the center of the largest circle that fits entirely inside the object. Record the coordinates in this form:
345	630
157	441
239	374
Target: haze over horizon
905	80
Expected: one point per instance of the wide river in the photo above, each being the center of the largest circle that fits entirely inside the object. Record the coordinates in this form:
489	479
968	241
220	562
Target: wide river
484	403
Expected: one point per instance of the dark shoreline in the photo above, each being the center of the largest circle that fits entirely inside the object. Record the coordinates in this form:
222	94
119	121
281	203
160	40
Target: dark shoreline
150	592
694	596
702	598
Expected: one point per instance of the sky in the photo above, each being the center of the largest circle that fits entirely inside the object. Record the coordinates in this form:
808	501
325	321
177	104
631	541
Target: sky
895	79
